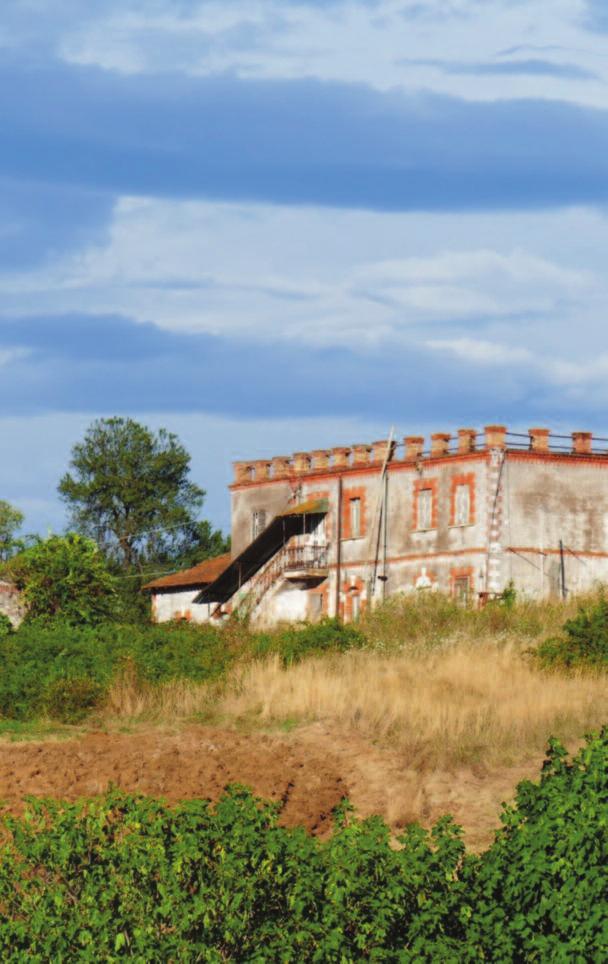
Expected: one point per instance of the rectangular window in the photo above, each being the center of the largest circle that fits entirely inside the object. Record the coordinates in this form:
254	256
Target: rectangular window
258	522
462	508
425	508
316	606
462	588
355	518
355	606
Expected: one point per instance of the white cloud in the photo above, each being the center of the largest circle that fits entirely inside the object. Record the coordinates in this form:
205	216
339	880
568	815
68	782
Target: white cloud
386	44
331	277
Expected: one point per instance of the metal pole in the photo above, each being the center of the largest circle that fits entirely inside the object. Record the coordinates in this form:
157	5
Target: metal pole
385	536
338	546
562	569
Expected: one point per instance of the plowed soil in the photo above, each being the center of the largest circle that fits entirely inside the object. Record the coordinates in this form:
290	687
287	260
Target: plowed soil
308	771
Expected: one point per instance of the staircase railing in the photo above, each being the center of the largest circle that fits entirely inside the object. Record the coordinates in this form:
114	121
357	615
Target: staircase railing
291	557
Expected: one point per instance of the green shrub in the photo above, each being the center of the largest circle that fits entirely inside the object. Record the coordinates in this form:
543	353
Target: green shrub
297	642
584	642
71	700
6	626
128	877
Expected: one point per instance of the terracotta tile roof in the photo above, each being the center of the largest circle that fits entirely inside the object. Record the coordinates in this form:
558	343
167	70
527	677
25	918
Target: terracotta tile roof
201	575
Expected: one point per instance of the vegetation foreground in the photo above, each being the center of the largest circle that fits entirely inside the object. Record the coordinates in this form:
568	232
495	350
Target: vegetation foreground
129	877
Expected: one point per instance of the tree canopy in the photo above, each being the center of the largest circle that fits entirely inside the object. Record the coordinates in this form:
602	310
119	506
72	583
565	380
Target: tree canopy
11	520
129	488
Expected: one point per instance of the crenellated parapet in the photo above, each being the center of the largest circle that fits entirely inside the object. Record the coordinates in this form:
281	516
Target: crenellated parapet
413	449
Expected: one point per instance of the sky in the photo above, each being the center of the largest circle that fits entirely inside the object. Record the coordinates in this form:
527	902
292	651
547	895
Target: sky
273	225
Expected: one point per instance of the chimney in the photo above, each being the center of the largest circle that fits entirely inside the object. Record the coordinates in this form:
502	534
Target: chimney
414	447
379	450
301	462
439	443
539	439
361	454
581	443
495	436
320	458
281	466
466	440
340	455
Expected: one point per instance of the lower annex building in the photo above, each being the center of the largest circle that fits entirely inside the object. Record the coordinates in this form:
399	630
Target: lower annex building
332	531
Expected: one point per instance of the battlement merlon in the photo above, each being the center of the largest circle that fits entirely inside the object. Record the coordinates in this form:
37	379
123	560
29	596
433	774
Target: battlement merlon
467	441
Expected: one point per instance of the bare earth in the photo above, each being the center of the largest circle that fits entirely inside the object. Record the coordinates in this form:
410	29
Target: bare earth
309	771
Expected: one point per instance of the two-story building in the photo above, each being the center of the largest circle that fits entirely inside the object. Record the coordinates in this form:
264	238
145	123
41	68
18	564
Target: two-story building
332	531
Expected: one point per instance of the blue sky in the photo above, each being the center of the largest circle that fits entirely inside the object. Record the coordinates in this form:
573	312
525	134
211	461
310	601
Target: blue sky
276	225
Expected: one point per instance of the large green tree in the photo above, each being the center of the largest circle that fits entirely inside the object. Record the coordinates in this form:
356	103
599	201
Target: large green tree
11	520
129	488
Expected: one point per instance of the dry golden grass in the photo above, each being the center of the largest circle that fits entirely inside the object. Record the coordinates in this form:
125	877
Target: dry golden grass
464	703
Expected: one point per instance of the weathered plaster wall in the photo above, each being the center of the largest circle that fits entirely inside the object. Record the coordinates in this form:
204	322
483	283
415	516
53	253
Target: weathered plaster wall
549	499
179	604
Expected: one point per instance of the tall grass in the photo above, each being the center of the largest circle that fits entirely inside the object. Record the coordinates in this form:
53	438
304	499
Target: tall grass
442	684
464	703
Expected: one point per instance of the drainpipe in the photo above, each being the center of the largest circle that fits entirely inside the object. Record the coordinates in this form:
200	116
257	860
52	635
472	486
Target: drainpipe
339	547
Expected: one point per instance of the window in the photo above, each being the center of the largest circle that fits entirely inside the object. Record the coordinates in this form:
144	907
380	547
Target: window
425	508
355	518
462	505
258	522
316	606
462	586
355	606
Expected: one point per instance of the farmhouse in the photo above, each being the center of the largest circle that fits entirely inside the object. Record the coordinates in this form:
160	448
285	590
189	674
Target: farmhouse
332	531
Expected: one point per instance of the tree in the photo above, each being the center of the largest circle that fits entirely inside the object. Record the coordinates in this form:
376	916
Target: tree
65	577
11	520
129	490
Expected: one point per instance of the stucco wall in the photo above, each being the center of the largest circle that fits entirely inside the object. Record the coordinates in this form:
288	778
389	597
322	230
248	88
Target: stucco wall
179	604
548	499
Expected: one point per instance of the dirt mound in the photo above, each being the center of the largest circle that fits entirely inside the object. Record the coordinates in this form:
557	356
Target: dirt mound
197	762
308	771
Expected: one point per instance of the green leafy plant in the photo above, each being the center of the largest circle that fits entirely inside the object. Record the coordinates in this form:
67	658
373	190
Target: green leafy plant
583	643
65	577
129	877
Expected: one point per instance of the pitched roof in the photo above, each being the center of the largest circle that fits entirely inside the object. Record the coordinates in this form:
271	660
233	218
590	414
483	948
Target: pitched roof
201	575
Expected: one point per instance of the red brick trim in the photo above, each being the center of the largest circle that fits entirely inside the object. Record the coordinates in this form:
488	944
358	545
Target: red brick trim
462	572
464	479
347	497
419	486
362	471
348	592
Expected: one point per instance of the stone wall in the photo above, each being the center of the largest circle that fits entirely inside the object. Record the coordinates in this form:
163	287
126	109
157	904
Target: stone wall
11	603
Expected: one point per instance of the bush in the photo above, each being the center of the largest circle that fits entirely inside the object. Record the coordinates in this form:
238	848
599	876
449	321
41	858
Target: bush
6	626
125	876
584	643
296	642
71	700
65	577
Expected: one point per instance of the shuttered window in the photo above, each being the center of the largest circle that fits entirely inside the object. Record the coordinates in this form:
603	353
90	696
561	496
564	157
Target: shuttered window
462	513
425	508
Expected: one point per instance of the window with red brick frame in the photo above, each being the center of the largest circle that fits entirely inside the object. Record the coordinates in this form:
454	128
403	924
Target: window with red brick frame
461	583
353	514
425	504
462	499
